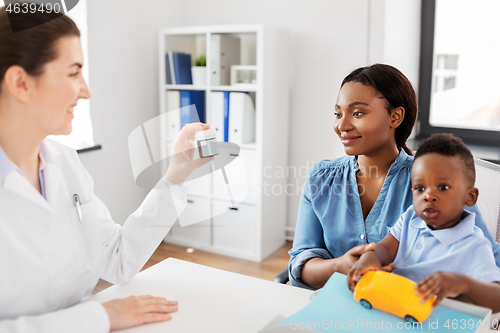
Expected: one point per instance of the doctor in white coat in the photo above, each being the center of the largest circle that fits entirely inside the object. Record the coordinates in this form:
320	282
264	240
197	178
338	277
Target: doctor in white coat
56	237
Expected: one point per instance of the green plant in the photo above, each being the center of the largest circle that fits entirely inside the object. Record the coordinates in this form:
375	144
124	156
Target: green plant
200	61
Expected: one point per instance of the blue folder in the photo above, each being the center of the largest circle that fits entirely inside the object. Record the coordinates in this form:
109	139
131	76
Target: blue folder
334	309
182	68
189	114
226	116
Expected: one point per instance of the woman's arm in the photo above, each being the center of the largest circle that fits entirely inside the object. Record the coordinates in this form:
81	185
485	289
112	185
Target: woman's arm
83	317
125	249
308	243
117	253
95	317
311	263
317	271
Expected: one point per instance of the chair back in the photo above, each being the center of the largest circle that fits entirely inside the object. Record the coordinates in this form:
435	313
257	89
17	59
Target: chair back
488	183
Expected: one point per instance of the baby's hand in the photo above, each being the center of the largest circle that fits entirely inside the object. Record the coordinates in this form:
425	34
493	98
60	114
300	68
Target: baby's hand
367	262
441	284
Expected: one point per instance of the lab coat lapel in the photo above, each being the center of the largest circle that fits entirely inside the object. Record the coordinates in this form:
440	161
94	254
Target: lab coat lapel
17	184
54	185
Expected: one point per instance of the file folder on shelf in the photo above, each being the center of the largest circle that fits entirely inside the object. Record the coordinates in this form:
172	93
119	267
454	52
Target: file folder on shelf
192	115
217	115
226	116
182	68
173	114
241	118
225	53
170	68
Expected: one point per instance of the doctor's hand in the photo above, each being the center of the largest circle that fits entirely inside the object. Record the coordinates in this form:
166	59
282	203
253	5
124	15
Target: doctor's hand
182	163
138	310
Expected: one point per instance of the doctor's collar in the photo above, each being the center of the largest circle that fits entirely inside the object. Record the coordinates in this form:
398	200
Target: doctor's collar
46	151
6	165
46	156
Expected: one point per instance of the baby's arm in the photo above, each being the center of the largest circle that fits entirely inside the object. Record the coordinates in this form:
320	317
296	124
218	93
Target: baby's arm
461	287
380	258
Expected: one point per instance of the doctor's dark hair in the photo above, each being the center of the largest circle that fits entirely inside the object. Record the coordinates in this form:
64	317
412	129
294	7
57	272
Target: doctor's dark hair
449	145
33	47
397	91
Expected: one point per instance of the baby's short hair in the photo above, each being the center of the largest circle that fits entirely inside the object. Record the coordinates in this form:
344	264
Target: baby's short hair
449	145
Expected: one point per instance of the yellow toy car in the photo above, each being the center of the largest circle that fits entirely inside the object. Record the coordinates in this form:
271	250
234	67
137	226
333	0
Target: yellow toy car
392	293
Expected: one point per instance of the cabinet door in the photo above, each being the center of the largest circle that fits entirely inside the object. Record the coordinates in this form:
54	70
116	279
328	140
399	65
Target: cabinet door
234	229
196	217
243	177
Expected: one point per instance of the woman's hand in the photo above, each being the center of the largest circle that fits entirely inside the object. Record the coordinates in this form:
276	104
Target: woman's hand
441	284
137	310
317	271
182	163
352	256
367	262
346	261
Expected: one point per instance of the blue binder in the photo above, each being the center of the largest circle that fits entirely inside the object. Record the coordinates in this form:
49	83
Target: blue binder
188	115
226	116
182	68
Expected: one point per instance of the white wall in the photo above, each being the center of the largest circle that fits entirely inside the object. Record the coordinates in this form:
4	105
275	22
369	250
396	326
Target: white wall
328	40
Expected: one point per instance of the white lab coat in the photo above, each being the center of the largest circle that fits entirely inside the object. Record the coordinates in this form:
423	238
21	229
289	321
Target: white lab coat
51	261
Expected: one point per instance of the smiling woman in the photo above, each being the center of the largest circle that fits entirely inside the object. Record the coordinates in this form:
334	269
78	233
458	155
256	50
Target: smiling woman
374	114
81	136
50	218
60	88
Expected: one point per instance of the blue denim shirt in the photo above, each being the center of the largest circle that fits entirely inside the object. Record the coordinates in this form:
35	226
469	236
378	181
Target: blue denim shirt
330	220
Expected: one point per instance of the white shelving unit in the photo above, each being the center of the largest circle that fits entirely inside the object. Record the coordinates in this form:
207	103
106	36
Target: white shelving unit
255	228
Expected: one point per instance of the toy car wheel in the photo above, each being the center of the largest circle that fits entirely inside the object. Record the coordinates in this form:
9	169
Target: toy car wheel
364	303
410	319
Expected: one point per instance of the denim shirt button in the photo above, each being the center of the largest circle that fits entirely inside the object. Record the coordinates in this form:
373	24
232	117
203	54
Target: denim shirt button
362	236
